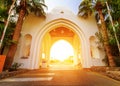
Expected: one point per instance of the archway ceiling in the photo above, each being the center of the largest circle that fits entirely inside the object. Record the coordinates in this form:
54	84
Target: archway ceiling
61	32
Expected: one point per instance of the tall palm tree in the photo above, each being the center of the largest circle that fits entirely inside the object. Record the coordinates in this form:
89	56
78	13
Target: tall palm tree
114	12
113	27
94	6
4	18
6	25
25	7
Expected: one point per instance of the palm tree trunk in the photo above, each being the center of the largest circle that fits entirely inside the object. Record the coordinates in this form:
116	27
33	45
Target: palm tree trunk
116	38
105	38
16	35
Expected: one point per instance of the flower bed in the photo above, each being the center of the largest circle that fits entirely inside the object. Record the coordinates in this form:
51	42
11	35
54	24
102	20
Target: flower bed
114	74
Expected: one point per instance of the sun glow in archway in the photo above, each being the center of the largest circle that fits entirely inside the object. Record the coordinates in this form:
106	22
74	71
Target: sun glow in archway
61	50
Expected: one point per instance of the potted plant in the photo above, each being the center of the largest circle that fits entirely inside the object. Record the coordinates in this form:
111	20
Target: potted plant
2	61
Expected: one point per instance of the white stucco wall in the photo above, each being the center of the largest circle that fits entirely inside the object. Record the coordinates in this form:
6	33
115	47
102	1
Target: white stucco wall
34	26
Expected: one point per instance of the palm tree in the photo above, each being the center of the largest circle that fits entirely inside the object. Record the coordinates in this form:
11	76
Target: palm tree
6	25
114	12
25	7
113	27
98	6
3	17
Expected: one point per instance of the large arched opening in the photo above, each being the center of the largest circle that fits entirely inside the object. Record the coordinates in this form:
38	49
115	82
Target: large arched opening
79	39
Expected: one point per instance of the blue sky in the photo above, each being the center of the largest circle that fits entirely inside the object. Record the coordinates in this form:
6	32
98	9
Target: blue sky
70	4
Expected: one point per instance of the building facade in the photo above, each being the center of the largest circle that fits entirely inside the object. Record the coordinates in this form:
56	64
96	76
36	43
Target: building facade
39	34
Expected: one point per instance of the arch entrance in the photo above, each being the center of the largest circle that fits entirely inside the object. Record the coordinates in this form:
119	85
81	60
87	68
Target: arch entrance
61	46
60	29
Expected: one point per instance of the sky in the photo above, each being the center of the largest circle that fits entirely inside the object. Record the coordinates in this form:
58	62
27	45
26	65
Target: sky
70	4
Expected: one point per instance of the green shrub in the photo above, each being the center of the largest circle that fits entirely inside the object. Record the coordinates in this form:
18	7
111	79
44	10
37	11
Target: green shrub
15	66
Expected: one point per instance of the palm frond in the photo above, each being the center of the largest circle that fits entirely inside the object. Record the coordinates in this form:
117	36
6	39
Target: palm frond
85	8
36	6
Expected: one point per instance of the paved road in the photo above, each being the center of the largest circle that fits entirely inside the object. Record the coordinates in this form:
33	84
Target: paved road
46	77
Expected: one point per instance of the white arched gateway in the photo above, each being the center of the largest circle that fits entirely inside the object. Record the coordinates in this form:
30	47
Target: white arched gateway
37	28
60	23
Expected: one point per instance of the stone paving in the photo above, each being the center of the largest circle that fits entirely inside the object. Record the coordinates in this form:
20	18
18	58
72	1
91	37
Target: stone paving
57	77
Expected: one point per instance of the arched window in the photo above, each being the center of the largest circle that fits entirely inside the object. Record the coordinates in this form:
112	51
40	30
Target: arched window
27	45
93	47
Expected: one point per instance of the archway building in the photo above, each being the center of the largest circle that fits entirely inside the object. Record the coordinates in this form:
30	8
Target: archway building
39	34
